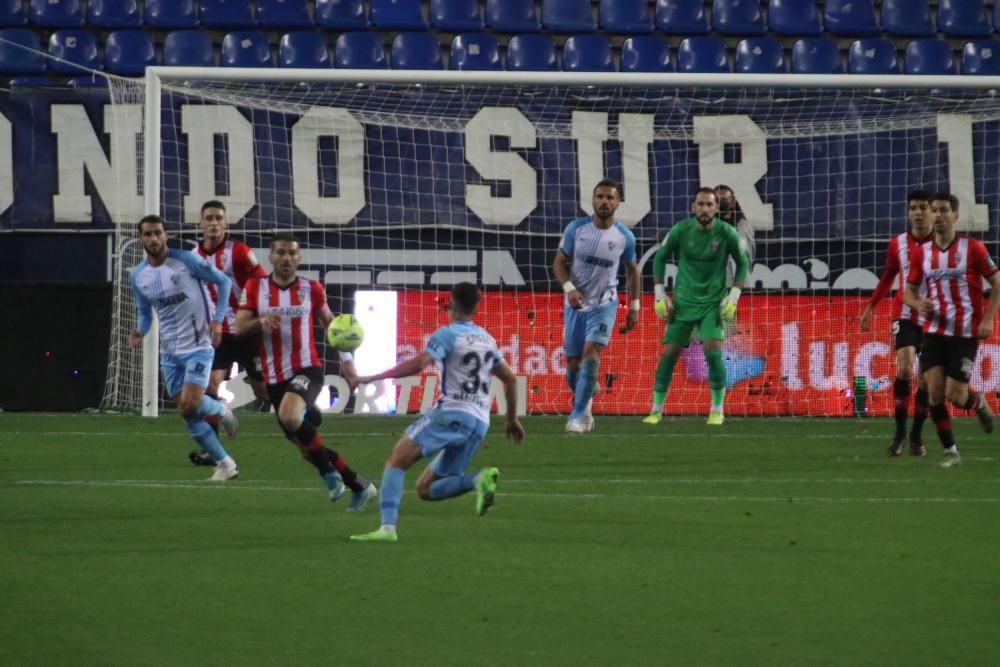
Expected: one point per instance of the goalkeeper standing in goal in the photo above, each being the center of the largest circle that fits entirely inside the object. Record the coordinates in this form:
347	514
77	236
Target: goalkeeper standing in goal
703	245
586	265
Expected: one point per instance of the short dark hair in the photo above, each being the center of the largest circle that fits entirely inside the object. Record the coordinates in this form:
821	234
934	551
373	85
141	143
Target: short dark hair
213	203
608	183
948	197
465	298
282	236
706	190
918	195
150	219
723	186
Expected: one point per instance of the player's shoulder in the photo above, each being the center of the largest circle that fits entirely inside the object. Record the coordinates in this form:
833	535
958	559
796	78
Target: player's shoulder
576	224
139	268
623	229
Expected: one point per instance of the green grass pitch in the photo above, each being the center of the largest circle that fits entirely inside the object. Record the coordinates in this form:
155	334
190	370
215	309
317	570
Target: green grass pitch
764	542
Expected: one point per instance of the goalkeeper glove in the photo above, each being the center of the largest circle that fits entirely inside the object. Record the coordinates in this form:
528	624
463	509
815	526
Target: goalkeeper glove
662	304
728	306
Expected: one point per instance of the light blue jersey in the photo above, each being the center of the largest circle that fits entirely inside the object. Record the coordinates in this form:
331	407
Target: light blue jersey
466	355
595	254
175	290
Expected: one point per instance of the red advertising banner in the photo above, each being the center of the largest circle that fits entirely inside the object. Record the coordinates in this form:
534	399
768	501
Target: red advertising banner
786	355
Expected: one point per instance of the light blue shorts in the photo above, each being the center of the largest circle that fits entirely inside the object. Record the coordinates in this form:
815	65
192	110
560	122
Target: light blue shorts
191	368
591	326
451	436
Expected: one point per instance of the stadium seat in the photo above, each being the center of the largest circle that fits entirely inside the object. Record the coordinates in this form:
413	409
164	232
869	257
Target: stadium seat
283	15
171	14
794	18
587	53
245	48
568	16
455	15
129	52
359	50
963	18
57	14
981	58
114	14
872	55
681	17
90	83
738	17
304	49
227	14
475	52
74	46
531	53
397	15
929	56
517	16
645	53
850	18
16	60
759	55
416	50
12	14
188	48
341	14
816	55
703	54
626	17
907	18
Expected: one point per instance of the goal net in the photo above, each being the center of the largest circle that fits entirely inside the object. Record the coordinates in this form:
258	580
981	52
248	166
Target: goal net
400	184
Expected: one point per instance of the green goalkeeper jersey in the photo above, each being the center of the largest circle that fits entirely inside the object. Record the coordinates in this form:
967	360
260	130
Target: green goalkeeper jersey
702	257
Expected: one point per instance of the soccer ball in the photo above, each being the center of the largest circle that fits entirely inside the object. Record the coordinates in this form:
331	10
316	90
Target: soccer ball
345	333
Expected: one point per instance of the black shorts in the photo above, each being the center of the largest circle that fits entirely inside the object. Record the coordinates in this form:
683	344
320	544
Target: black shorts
957	355
307	383
907	333
241	350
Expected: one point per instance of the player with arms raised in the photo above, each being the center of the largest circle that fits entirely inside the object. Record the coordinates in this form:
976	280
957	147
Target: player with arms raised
907	323
950	268
703	245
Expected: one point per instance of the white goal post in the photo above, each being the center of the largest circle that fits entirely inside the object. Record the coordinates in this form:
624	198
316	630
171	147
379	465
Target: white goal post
811	247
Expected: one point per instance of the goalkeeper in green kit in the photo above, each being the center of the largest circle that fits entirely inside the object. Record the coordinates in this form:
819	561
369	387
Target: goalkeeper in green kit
702	245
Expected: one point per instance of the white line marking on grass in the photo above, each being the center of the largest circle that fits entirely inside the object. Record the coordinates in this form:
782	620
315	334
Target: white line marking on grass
238	486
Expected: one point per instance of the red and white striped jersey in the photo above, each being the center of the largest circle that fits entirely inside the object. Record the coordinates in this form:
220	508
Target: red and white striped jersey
954	280
236	260
897	267
290	347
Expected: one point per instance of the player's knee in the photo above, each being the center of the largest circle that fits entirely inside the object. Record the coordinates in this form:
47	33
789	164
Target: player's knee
904	372
289	423
188	409
957	395
424	489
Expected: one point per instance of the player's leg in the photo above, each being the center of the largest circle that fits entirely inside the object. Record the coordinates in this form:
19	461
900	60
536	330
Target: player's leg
675	339
959	373
249	361
711	332
921	411
901	390
933	363
599	323
186	381
445	477
574	335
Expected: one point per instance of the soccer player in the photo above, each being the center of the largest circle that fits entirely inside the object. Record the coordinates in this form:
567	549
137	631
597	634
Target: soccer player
171	282
945	284
466	356
730	211
280	311
703	246
586	265
236	260
907	323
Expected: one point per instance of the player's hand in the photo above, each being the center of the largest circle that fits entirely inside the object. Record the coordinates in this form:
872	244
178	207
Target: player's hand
135	338
270	322
926	306
215	329
575	299
866	318
727	309
985	328
349	376
632	321
515	431
662	307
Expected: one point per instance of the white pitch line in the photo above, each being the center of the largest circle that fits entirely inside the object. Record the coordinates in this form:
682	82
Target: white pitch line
568	496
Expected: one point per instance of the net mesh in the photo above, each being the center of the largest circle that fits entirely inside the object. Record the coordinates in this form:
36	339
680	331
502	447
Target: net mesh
412	188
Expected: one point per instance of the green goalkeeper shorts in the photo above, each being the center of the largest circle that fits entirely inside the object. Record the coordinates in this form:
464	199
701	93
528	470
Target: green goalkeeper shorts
679	327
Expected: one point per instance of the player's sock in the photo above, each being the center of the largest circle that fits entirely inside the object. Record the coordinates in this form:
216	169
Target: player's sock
658	398
449	487
213	420
392	495
571	376
942	422
921	408
203	435
209	407
313	414
716	378
353	480
901	400
585	382
661	381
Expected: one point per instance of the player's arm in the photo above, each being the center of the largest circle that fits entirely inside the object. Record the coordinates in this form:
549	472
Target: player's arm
411	366
885	283
661	302
247	321
145	319
561	268
245	265
506	376
989	271
633	281
728	305
203	270
915	278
